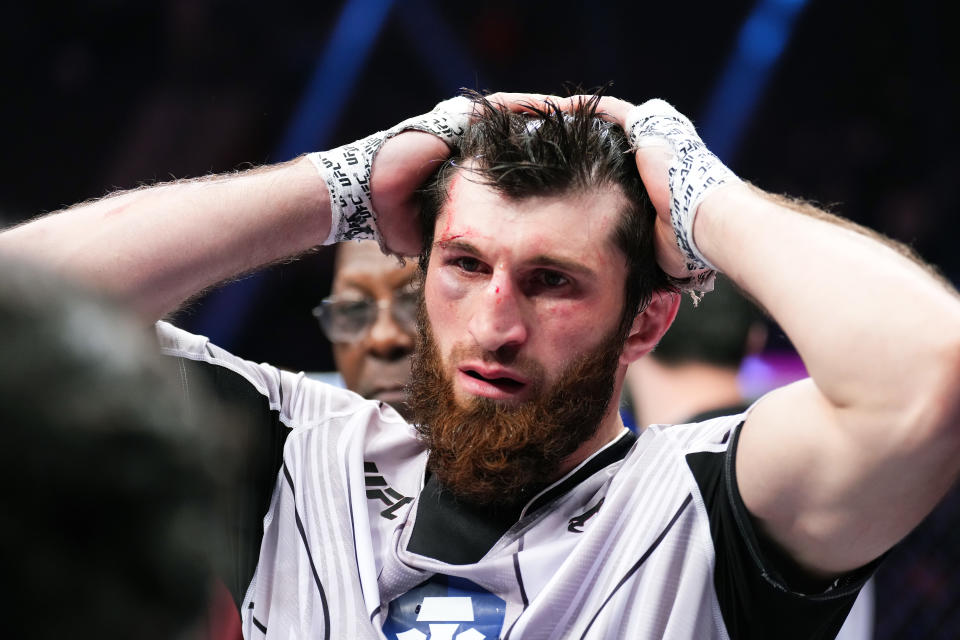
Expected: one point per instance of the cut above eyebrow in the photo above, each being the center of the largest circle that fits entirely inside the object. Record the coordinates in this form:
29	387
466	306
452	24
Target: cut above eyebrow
453	244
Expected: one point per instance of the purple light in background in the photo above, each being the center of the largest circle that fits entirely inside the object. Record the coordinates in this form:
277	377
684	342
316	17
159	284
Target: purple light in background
769	370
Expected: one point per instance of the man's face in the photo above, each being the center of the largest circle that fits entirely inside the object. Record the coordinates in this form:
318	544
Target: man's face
377	364
519	297
515	291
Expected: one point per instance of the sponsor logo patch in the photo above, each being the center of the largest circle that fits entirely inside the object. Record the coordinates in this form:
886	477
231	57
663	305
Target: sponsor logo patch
377	489
445	608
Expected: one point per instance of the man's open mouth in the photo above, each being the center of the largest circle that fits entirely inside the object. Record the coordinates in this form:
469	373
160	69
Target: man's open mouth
503	383
491	385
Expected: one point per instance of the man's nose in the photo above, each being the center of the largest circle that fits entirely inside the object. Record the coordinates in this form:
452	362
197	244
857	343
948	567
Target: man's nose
497	322
386	339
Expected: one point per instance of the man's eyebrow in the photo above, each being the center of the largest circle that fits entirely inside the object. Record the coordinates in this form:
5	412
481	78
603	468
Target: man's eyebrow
541	260
562	264
354	284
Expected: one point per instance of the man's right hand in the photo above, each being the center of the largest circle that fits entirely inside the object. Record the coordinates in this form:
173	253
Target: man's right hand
400	168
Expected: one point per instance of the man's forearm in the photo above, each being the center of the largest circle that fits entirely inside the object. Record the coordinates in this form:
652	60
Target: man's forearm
156	247
873	326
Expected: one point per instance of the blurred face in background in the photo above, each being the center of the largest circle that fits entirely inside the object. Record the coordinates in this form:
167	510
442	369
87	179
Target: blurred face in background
370	319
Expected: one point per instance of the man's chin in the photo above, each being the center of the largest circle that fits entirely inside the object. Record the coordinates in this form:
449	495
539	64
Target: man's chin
469	402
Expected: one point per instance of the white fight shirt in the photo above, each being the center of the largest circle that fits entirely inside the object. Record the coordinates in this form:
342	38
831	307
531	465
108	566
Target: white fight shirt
646	539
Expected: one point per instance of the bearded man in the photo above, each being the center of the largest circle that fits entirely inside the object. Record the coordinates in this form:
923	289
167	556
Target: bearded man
555	239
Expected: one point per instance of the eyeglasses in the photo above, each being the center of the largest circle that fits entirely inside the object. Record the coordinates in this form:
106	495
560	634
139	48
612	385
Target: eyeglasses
348	320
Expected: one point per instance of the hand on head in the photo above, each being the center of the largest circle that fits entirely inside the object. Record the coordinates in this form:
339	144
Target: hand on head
678	172
406	160
400	160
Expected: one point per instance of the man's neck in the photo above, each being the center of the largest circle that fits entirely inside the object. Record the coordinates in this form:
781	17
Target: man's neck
611	425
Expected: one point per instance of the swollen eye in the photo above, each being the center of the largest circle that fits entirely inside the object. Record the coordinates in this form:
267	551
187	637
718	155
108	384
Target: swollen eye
468	264
552	279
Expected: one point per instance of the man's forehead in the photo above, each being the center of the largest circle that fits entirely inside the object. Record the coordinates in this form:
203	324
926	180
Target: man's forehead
476	209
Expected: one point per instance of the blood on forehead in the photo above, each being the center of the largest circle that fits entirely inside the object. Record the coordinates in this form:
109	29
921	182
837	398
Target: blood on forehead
449	213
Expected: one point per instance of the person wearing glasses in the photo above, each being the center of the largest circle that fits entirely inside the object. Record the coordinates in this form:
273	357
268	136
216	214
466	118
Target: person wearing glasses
370	317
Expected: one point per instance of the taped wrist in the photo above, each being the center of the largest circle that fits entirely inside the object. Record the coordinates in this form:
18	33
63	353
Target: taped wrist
346	169
694	170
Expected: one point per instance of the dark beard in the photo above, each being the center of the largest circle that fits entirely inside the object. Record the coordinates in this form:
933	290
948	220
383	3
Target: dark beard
489	453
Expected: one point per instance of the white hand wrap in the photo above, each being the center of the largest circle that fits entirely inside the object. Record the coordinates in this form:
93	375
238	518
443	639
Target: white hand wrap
346	169
694	172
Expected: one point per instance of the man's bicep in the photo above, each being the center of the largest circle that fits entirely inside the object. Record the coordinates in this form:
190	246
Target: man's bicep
830	488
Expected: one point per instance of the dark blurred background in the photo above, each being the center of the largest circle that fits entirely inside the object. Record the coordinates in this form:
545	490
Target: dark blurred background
850	104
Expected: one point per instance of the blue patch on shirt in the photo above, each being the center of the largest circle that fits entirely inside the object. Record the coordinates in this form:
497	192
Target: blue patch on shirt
445	607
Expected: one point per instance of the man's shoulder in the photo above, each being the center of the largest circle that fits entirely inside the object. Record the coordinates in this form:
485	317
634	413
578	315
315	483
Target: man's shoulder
299	400
712	434
174	340
217	363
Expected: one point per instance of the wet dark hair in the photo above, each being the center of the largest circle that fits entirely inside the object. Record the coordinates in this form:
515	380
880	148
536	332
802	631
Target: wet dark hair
549	152
114	487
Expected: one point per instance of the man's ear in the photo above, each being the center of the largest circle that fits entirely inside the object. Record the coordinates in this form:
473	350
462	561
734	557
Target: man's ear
650	325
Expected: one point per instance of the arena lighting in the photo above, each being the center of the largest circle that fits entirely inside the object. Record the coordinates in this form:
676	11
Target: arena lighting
761	41
457	69
310	128
334	77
